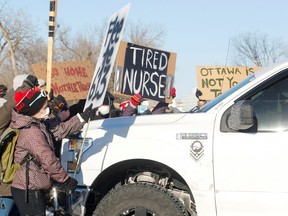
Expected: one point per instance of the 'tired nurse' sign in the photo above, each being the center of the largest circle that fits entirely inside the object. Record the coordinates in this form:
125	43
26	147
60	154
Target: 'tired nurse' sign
144	70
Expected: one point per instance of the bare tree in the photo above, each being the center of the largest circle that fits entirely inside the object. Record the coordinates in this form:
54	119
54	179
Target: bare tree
17	41
255	49
84	45
150	35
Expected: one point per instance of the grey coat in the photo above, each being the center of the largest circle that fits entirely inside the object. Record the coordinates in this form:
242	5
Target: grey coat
36	139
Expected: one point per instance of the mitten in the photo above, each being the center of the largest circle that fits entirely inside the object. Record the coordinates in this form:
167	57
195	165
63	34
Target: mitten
70	184
88	113
31	80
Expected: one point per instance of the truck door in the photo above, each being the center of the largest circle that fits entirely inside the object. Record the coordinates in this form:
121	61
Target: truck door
251	166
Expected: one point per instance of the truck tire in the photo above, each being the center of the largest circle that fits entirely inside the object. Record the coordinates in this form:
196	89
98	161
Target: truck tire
140	199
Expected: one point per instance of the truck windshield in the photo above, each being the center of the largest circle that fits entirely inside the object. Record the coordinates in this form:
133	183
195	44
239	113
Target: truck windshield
230	91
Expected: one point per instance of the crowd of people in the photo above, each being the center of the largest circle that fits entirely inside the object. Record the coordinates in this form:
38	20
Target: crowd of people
27	107
44	120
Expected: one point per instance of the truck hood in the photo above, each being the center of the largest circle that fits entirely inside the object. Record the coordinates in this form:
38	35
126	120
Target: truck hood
121	122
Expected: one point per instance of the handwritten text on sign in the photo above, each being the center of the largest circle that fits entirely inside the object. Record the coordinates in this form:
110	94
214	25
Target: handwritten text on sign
107	58
70	79
144	70
214	80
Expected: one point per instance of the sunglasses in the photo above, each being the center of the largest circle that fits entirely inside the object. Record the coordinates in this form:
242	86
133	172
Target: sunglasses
43	93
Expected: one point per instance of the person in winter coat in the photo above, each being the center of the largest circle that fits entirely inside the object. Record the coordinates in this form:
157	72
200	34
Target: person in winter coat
20	83
35	141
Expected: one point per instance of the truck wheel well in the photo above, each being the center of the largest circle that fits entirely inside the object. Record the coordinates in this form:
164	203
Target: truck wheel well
138	170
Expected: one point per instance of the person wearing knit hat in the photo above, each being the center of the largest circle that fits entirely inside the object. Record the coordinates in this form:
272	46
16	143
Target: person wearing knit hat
131	108
6	107
36	140
162	107
20	83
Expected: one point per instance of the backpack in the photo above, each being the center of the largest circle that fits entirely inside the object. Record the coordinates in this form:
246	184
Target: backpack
8	168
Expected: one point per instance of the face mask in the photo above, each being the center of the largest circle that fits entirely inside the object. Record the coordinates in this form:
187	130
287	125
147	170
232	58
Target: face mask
104	110
45	114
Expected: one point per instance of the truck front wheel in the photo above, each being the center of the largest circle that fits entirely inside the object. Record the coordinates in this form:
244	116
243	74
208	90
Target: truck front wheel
140	199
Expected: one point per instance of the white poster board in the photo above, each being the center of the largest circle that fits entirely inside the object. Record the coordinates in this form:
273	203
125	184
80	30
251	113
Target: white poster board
107	58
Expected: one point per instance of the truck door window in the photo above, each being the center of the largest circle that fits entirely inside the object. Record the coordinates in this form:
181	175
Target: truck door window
270	106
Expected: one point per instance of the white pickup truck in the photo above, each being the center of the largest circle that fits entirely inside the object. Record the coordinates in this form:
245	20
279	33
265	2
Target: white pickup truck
228	159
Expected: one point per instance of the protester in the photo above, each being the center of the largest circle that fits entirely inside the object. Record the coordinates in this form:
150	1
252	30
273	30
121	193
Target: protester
20	83
130	108
35	141
163	107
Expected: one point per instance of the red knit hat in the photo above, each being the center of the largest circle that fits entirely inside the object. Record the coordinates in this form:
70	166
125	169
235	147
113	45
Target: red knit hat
173	92
30	101
136	99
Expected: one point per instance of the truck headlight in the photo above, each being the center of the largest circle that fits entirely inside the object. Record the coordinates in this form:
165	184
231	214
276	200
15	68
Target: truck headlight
74	146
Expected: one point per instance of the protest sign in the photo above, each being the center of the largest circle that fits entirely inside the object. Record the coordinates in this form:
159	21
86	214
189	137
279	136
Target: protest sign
70	79
214	80
107	58
144	70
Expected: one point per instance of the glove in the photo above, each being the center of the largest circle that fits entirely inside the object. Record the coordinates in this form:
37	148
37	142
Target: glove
57	104
32	81
70	184
88	113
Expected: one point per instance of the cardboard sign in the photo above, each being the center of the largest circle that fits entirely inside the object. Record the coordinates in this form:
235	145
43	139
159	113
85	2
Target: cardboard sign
107	58
70	79
144	70
214	80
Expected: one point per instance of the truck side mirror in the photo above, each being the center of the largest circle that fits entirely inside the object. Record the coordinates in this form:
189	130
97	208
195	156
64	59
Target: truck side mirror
241	116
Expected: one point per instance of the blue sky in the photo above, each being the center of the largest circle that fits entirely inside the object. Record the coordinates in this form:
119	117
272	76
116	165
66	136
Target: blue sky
197	30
